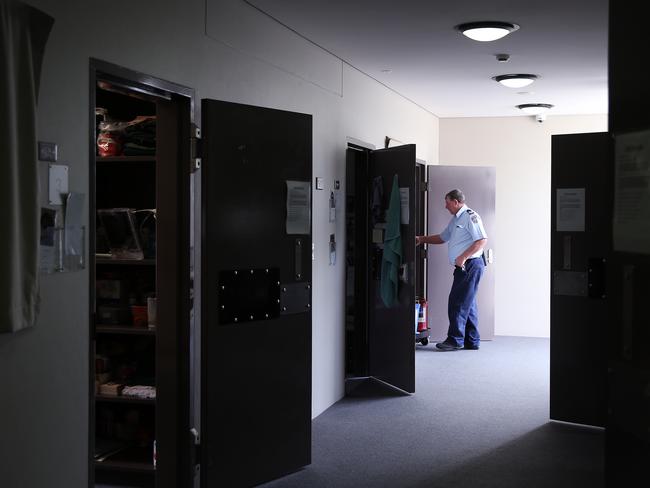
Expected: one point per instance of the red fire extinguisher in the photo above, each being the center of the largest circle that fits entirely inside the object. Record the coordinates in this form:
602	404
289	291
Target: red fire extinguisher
422	316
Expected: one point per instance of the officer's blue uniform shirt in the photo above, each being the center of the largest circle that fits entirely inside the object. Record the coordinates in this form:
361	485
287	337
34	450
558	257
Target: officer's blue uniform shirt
464	228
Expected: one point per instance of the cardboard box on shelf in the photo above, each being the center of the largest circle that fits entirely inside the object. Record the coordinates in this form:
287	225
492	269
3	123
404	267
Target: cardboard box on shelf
111	389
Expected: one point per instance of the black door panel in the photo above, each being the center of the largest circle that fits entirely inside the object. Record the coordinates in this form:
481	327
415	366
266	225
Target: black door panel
256	368
391	330
580	300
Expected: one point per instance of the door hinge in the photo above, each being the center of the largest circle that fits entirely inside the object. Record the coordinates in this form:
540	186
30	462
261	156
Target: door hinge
195	437
196	149
195	441
423	252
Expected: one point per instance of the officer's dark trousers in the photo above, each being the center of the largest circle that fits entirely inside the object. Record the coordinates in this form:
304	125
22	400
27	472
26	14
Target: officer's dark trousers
462	309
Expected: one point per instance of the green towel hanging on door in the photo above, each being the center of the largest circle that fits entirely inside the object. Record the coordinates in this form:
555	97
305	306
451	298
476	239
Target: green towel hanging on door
392	256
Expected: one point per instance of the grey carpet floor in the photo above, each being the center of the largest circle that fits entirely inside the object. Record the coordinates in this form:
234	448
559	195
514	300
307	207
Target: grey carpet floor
478	419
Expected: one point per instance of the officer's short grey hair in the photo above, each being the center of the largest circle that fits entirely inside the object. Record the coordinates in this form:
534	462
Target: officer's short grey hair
456	194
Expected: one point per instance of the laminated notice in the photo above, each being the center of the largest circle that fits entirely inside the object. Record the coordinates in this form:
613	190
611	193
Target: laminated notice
631	227
570	209
298	207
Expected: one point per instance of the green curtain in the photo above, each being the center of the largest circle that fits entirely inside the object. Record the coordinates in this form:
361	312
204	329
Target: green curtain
23	34
392	256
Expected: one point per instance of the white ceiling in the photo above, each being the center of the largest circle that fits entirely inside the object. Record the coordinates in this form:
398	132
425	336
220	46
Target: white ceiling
562	41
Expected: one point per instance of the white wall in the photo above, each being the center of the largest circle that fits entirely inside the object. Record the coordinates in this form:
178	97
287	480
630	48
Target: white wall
44	371
520	149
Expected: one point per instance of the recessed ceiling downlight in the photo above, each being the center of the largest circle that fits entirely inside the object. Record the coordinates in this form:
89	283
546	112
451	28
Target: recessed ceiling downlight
535	108
486	31
515	80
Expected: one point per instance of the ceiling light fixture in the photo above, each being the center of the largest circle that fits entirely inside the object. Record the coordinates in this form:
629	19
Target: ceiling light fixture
535	108
515	80
486	31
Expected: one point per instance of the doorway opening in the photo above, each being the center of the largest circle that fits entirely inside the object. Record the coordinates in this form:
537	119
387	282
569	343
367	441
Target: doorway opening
139	286
380	342
383	215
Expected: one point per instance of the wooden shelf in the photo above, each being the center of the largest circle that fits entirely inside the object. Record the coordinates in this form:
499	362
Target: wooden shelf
125	399
122	463
127	262
132	467
130	459
123	329
126	159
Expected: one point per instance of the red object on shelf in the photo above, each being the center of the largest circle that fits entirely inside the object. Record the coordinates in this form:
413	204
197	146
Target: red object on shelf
139	313
109	143
422	316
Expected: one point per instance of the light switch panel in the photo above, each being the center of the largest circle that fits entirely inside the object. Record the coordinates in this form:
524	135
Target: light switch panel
58	183
319	183
48	151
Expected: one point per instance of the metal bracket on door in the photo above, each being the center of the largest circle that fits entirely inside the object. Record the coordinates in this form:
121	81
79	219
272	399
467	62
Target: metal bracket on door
196	149
596	278
195	440
566	253
628	311
570	283
298	260
423	252
295	298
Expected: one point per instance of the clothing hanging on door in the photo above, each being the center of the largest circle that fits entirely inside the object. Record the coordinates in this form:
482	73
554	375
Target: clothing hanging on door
392	256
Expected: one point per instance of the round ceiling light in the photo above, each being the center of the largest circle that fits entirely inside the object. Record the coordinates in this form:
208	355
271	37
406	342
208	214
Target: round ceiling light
534	108
486	31
515	80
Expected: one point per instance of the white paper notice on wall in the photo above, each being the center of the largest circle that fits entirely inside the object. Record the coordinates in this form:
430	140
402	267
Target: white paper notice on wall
58	183
298	207
631	229
570	214
404	205
74	230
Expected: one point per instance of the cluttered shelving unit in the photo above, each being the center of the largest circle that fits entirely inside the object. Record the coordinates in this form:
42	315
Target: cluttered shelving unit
125	286
139	284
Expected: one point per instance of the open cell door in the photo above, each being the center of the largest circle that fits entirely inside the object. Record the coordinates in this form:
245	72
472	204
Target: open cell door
256	294
581	294
391	329
478	183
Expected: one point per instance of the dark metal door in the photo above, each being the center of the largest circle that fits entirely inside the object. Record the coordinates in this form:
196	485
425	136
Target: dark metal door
391	329
356	262
478	183
581	216
256	299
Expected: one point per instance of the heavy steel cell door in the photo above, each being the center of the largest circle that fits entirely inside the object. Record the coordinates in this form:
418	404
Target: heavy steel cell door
256	294
391	328
581	295
478	183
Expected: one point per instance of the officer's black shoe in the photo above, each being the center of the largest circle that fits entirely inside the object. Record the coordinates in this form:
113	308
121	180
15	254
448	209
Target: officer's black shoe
446	346
471	347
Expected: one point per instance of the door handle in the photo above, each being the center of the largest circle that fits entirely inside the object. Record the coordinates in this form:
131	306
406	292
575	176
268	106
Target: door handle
298	260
